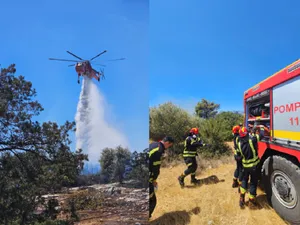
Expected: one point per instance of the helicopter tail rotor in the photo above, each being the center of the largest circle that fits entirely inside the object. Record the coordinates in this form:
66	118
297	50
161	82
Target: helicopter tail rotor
102	73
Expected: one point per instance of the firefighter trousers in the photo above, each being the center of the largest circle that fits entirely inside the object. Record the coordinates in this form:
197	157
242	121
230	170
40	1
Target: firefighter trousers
191	163
238	173
152	199
251	173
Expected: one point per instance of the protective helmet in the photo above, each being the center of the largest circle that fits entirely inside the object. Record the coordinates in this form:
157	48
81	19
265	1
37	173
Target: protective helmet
243	132
194	131
241	124
236	129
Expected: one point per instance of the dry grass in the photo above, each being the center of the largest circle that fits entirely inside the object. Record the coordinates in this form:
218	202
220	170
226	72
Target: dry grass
214	202
203	164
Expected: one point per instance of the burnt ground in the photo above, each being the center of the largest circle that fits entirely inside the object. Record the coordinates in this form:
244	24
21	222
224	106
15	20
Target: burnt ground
119	206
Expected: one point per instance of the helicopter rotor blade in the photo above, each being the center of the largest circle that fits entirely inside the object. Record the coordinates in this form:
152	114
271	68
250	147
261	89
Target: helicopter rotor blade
99	64
115	59
98	55
67	60
71	65
109	60
74	55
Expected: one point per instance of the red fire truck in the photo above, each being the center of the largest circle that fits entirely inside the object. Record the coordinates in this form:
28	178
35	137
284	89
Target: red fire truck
275	103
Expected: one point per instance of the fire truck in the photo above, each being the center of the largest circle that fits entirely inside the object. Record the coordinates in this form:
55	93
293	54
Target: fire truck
275	103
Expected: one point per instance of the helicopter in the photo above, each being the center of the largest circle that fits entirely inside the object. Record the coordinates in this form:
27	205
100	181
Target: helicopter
84	67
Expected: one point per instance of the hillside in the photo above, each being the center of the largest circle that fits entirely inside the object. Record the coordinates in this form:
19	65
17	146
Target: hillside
118	204
214	202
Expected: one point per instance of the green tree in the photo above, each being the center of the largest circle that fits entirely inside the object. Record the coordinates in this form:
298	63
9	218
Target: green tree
140	168
169	119
122	159
107	163
212	132
34	157
229	119
113	162
206	109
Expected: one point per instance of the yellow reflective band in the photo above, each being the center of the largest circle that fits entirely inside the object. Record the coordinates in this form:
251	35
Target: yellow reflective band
153	151
239	146
151	195
189	152
257	136
251	196
156	163
189	164
250	160
188	155
251	164
243	190
193	173
192	141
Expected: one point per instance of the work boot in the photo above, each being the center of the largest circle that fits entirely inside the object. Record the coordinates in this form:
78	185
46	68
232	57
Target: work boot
181	180
252	202
242	200
235	183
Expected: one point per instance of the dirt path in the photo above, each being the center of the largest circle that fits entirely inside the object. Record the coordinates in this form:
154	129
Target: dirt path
215	203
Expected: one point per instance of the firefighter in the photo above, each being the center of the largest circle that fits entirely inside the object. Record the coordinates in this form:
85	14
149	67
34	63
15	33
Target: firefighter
237	176
248	147
192	142
156	151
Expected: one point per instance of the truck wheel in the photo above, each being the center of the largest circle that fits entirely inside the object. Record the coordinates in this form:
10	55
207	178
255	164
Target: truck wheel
281	180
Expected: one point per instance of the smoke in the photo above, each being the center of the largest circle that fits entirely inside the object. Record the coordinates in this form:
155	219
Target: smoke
93	132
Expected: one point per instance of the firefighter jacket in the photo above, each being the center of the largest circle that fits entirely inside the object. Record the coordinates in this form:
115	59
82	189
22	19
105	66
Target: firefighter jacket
156	150
235	144
248	148
190	146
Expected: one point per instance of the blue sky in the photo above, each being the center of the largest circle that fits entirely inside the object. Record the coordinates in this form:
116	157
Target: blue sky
33	31
218	49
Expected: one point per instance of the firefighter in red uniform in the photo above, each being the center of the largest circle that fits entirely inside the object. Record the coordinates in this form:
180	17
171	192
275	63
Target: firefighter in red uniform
192	142
248	147
238	173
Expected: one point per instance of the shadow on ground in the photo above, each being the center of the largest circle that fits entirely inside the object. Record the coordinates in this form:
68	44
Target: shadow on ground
176	218
213	179
262	203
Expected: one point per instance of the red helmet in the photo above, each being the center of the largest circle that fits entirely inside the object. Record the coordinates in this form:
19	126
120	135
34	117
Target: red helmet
236	129
194	131
243	132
